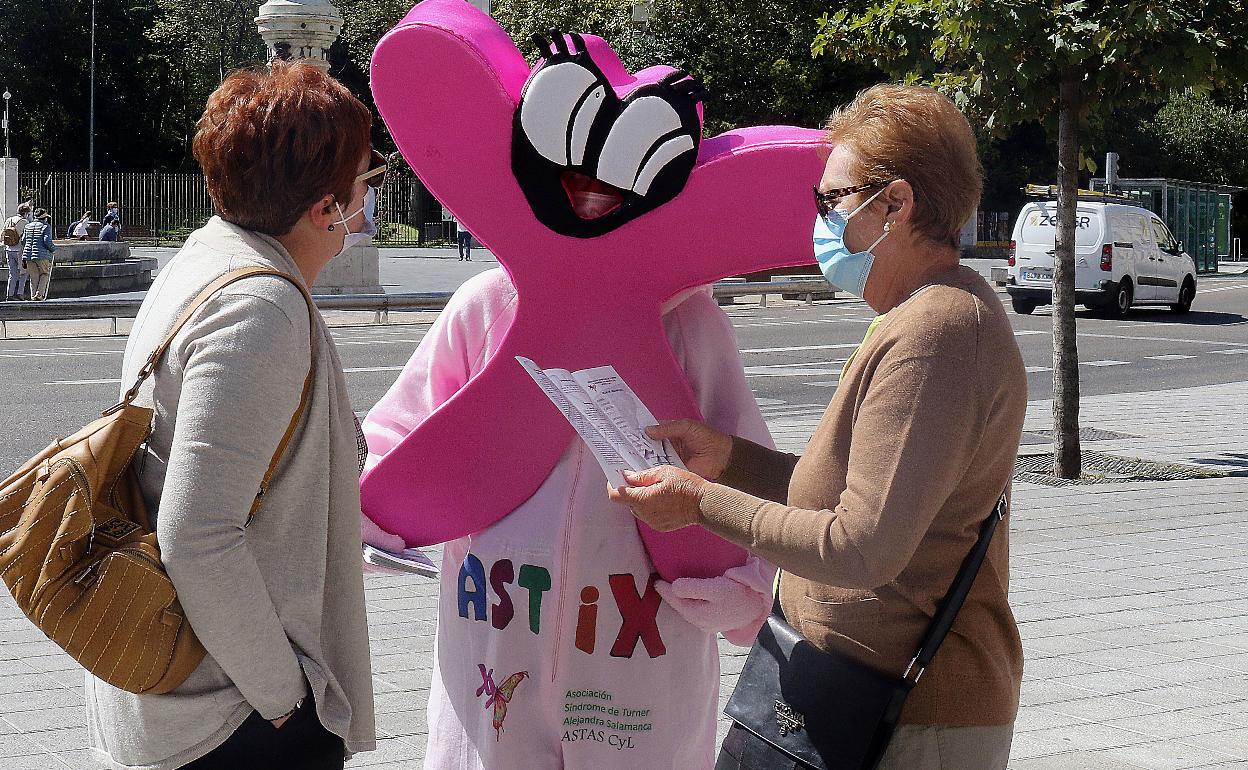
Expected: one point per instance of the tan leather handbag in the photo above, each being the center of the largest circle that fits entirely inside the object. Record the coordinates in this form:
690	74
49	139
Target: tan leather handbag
77	549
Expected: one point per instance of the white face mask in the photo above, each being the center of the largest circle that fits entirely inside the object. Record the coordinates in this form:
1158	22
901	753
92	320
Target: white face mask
369	210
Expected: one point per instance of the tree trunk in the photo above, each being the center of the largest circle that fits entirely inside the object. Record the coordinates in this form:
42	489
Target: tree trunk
1066	452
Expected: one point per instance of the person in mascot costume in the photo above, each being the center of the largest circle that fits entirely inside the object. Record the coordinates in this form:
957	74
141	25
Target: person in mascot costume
570	635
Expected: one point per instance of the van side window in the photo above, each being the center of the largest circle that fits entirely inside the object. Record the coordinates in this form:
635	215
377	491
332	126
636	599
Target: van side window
1165	241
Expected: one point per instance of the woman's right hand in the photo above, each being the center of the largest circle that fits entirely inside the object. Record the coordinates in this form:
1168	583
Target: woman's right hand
704	450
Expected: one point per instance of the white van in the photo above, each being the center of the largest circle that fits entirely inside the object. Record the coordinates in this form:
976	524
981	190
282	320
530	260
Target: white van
1124	256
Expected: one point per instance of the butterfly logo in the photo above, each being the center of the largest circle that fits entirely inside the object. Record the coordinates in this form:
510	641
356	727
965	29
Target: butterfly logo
498	696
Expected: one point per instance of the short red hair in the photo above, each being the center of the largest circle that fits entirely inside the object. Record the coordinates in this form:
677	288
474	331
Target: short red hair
274	141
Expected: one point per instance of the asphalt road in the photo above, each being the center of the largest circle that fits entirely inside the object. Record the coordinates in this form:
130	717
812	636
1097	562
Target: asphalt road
792	352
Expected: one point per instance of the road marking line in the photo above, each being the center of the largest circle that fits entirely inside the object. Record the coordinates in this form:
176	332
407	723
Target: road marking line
798	348
1170	357
1034	369
800	364
1106	363
758	371
83	382
63	355
804	323
59	350
1235	352
794	410
374	369
1221	288
1154	339
345	343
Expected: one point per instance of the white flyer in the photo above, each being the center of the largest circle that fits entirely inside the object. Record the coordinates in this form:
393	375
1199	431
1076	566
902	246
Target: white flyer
607	415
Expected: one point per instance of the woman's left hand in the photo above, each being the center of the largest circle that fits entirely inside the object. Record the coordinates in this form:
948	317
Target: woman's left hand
667	498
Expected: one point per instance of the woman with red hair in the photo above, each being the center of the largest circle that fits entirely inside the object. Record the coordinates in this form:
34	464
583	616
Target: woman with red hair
277	601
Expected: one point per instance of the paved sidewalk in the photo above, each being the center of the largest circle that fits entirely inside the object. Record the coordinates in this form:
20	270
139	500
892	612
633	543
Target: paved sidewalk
1132	600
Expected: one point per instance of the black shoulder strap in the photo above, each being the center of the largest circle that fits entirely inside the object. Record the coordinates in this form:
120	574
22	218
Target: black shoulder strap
951	604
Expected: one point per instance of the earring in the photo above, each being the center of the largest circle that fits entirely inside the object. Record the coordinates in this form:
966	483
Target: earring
331	228
888	226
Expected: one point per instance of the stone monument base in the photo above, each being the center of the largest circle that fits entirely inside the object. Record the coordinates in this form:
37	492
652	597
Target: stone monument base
88	268
355	271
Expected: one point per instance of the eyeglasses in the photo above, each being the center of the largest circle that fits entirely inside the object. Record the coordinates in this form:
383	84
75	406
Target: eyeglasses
825	202
376	175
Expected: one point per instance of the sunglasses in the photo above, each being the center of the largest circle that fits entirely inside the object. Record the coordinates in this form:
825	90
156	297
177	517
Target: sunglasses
825	202
376	175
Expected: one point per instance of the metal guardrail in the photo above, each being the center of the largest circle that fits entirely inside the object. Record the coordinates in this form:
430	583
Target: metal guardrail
378	304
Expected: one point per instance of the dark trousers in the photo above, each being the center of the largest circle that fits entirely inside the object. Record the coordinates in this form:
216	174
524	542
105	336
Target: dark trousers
302	742
465	245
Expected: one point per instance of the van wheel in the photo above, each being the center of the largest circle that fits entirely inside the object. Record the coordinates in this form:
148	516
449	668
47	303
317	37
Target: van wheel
1120	305
1023	306
1187	295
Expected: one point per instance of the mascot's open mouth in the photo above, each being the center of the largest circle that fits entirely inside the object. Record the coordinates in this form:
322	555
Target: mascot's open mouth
590	198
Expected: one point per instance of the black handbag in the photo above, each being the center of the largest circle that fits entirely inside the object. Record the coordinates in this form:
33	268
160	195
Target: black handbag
799	705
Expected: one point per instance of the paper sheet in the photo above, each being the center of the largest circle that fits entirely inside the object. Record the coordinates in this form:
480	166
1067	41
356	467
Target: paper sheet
607	415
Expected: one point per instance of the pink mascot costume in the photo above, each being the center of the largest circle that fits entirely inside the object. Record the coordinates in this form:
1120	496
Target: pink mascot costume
569	634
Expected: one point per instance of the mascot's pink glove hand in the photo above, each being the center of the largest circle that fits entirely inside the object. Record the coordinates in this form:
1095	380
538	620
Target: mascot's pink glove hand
378	538
736	603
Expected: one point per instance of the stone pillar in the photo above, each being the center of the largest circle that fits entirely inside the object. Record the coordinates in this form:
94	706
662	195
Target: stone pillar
299	30
305	31
8	188
355	271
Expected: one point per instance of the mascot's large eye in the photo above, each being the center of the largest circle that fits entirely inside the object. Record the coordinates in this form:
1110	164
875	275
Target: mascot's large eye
558	110
646	137
589	161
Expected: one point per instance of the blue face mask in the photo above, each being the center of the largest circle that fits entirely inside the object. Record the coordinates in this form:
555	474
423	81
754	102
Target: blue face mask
846	270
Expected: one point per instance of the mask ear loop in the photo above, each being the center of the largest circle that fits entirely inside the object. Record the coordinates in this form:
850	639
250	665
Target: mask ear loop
888	228
865	203
342	218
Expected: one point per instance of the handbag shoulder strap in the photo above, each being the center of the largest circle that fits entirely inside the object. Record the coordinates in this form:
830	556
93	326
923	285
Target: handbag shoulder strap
220	283
951	604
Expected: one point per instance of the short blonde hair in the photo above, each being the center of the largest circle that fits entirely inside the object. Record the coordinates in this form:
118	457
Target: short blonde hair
919	135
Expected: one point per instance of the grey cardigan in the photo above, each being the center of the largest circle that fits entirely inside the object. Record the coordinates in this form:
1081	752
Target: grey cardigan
279	605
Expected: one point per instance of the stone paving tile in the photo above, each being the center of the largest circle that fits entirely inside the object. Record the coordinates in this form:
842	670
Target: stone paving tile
1132	602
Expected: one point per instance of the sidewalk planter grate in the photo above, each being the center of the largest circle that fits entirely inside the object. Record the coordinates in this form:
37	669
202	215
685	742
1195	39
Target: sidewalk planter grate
1085	434
1101	468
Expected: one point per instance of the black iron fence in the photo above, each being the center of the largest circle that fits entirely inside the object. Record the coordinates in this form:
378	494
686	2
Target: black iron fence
162	208
156	208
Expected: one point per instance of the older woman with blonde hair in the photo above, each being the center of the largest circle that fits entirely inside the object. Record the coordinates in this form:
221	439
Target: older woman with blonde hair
871	524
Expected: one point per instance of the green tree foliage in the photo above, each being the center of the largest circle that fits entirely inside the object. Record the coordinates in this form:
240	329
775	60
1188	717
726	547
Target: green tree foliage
1197	138
197	43
1064	64
364	23
159	59
45	62
754	58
